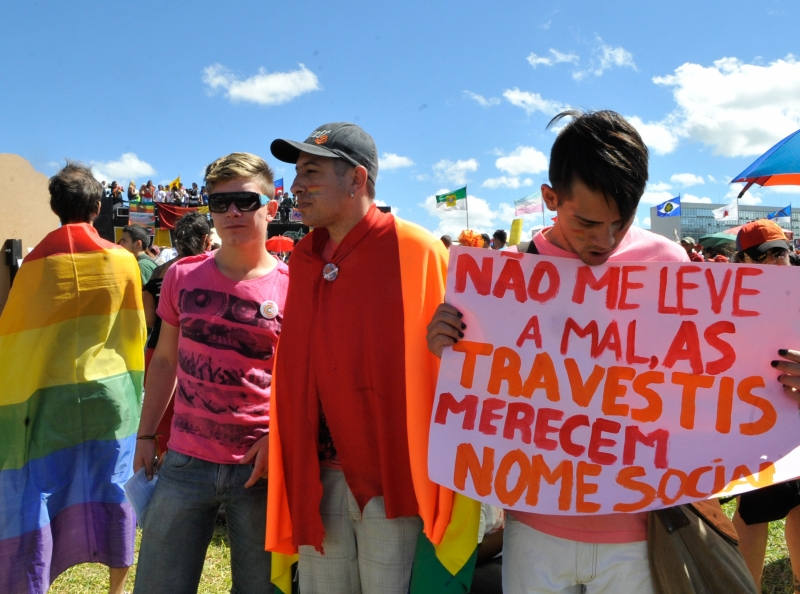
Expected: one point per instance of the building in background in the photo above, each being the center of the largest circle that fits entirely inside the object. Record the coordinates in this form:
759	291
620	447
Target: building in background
697	219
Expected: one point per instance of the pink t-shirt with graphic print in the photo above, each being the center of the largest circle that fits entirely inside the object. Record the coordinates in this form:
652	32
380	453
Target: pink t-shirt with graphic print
638	245
228	333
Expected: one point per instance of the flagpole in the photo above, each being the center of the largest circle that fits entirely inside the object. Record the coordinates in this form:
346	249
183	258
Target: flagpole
466	204
738	217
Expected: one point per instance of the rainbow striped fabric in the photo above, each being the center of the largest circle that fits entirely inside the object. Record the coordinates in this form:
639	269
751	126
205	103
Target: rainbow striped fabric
72	342
446	550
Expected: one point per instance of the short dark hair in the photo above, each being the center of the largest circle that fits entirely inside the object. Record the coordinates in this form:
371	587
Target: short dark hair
190	231
74	194
605	152
340	166
501	235
137	233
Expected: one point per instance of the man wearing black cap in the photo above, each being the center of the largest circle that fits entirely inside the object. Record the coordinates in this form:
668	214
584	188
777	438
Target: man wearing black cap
354	384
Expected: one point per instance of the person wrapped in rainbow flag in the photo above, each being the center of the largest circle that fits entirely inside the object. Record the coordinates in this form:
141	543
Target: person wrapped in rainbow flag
72	336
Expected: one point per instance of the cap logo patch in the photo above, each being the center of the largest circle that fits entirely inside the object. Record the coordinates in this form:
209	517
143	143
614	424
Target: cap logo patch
320	136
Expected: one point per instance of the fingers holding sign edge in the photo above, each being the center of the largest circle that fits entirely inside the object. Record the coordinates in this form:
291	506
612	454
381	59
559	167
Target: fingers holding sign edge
445	328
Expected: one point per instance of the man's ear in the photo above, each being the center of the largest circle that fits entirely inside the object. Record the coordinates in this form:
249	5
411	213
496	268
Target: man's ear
549	197
96	212
359	177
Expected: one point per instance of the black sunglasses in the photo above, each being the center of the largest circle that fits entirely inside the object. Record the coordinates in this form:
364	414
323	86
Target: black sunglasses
244	201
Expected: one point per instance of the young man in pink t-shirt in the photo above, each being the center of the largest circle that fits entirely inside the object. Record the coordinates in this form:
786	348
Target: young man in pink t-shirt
598	172
221	316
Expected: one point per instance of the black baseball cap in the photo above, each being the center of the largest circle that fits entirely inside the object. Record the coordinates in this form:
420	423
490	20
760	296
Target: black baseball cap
337	140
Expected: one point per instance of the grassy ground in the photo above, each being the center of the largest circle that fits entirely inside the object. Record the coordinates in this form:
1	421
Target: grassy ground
91	578
777	578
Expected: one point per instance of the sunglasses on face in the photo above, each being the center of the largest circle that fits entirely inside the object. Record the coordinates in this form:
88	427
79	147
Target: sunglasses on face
244	201
775	253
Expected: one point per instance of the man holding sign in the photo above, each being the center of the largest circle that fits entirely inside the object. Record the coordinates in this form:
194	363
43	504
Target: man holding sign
598	172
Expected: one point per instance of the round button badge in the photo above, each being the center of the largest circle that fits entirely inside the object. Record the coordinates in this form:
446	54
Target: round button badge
330	271
269	309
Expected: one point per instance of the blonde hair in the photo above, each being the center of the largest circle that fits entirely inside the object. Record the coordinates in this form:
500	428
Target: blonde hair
240	166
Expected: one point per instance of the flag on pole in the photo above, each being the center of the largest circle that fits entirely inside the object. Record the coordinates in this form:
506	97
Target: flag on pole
278	187
670	208
528	204
727	213
175	183
782	216
456	199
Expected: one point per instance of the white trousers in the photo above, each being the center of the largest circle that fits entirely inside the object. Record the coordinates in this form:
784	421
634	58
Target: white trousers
364	553
535	562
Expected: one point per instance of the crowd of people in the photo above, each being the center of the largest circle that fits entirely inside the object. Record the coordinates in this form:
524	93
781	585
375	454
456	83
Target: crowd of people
321	451
148	193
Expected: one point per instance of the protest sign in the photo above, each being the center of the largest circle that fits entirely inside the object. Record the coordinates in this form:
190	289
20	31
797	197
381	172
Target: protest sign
615	388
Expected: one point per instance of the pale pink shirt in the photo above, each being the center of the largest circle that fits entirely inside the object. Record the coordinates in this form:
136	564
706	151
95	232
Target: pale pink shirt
638	245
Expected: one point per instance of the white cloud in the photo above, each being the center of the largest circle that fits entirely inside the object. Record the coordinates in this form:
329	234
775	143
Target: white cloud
481	100
753	195
532	102
504	181
128	167
646	222
693	198
264	88
735	108
750	199
392	161
659	137
522	160
604	57
555	57
454	171
658	187
686	179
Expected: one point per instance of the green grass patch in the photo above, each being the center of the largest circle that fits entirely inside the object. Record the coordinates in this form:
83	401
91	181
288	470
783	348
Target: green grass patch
91	578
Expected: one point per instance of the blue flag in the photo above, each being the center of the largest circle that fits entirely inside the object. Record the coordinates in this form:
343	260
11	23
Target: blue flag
278	187
670	208
783	215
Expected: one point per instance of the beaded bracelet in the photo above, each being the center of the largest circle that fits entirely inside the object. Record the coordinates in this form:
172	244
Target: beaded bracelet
154	436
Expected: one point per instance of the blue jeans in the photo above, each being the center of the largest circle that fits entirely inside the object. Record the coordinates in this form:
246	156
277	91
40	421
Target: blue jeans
180	523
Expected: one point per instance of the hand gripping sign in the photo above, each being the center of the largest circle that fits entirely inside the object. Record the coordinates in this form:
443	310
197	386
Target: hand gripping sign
614	388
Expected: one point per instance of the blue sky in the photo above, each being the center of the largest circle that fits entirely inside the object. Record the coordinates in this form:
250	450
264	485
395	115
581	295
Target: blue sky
454	93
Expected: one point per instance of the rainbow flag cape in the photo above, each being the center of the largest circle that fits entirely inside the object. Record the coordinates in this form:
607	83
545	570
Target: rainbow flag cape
446	550
72	342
